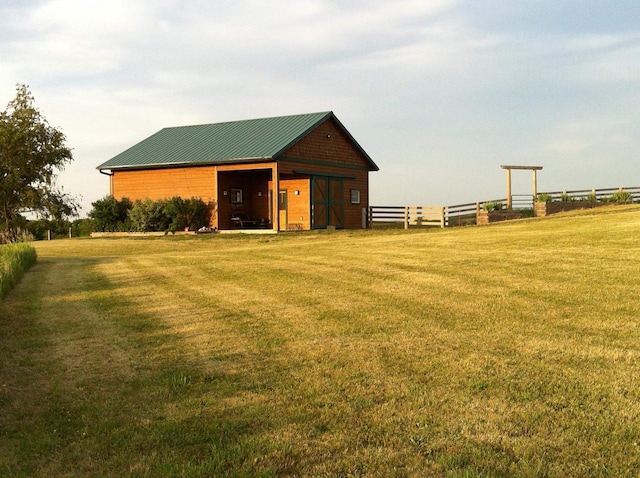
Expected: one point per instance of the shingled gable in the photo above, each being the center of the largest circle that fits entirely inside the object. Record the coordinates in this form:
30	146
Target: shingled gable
225	143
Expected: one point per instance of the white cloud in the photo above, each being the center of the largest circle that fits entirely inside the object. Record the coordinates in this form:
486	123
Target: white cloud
68	38
594	135
438	87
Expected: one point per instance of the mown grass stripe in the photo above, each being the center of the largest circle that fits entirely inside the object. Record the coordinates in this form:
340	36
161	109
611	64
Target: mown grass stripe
508	350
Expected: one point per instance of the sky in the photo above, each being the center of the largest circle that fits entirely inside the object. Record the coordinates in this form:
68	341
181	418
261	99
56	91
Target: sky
439	93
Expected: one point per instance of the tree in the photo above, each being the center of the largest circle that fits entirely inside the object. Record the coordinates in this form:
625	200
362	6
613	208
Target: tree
31	154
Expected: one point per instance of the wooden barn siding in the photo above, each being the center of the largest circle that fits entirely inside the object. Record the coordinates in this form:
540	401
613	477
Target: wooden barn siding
316	146
166	183
246	166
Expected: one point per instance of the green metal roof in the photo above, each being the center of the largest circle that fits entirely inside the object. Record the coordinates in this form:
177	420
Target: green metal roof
236	141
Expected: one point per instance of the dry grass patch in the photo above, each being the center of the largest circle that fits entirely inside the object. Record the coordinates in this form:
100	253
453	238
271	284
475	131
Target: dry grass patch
507	350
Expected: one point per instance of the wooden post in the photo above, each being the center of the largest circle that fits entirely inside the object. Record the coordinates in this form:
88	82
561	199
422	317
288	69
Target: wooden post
48	234
70	234
509	199
275	200
215	217
442	218
535	181
364	218
406	217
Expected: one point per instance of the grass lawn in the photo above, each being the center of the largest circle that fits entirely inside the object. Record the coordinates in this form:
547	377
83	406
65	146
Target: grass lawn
504	350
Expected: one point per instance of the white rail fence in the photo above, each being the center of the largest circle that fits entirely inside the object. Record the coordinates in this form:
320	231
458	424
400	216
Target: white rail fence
466	214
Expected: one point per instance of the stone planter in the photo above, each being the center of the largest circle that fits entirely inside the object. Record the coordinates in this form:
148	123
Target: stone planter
542	209
487	217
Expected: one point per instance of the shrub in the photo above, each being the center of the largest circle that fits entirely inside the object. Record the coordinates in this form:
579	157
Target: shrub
110	215
544	197
493	206
15	259
192	213
589	198
169	215
148	215
621	197
564	197
82	227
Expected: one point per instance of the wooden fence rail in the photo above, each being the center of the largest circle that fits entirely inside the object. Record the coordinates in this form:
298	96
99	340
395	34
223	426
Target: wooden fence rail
408	215
466	214
599	194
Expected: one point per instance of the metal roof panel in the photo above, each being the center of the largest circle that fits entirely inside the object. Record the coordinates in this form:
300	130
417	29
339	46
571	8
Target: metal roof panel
217	143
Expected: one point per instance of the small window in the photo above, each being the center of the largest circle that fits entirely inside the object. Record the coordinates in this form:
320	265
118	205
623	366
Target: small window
236	196
355	196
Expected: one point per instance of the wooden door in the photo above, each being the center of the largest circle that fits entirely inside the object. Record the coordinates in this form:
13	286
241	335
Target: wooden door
336	203
328	202
283	209
320	198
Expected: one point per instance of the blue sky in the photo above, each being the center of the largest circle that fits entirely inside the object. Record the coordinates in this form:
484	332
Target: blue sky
439	93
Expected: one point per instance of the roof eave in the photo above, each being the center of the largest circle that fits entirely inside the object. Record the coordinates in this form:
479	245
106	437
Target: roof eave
261	159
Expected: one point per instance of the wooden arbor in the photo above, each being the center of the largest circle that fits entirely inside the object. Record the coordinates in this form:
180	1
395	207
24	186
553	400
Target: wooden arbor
534	183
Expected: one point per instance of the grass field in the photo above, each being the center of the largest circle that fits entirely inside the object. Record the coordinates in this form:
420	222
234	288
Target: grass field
506	350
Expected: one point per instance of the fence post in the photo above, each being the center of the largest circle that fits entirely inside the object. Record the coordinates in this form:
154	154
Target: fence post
442	220
48	234
70	233
406	217
363	219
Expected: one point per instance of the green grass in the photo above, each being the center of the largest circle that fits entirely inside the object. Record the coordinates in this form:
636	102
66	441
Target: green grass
504	350
15	259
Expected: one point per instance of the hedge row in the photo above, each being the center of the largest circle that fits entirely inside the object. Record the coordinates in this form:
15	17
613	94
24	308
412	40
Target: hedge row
15	259
168	215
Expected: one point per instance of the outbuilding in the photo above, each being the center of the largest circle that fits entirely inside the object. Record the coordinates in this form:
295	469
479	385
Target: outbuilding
297	172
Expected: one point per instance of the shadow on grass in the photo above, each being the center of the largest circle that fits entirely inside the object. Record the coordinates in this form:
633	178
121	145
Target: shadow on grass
89	387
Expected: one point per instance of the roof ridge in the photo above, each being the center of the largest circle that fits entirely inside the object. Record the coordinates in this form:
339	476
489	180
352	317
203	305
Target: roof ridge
323	113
